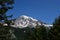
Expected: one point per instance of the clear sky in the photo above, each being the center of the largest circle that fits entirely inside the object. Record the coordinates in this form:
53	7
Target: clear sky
44	10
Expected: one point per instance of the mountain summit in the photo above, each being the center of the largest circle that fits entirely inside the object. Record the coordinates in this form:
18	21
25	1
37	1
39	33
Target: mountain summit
26	21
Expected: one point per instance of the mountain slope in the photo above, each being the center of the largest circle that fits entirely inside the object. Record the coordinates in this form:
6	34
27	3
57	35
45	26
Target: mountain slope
26	21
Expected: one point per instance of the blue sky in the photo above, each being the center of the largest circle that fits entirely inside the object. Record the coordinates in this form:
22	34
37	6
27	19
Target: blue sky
44	10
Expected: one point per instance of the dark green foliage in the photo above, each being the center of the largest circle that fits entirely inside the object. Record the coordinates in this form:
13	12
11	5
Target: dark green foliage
38	33
21	34
29	33
5	5
54	33
5	33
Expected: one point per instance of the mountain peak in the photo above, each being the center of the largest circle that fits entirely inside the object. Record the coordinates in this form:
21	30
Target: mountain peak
27	21
27	17
24	16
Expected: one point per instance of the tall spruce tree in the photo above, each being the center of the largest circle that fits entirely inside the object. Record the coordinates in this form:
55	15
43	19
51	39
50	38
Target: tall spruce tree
5	23
54	33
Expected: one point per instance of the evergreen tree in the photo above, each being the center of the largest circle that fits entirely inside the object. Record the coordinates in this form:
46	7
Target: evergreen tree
39	33
5	22
54	33
29	33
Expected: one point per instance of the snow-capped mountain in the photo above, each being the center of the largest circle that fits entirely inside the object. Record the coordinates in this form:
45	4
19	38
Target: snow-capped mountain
26	21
